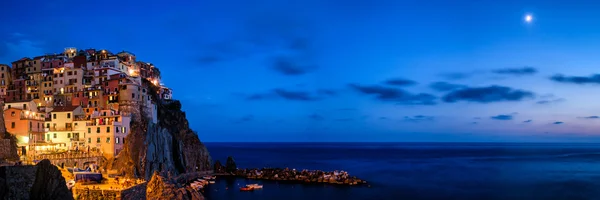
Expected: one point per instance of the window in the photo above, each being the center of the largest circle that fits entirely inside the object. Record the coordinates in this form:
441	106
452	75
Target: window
8	106
89	130
97	140
12	113
24	106
116	129
68	115
54	135
116	140
108	140
98	130
133	95
30	124
53	116
107	129
75	124
124	129
89	140
48	125
68	135
12	124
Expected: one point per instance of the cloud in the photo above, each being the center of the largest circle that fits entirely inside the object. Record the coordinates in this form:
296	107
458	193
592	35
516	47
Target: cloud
286	66
400	82
550	101
284	39
527	121
327	92
592	79
243	119
418	118
316	117
476	118
502	117
590	117
516	71
16	46
457	75
445	86
292	95
344	119
487	94
557	123
258	97
295	95
395	95
210	59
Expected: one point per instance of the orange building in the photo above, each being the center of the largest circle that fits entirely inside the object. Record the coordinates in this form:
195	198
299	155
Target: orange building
27	126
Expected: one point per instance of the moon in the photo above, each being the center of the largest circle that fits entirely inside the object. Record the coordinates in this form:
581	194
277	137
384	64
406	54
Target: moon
528	18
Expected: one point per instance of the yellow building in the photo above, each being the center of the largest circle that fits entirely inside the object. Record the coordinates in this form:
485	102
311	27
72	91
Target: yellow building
106	131
64	127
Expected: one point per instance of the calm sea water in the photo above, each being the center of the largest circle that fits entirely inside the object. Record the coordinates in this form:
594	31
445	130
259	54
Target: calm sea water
420	170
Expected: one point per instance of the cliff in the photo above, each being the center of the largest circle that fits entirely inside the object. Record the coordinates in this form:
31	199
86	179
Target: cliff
169	147
162	188
41	181
8	147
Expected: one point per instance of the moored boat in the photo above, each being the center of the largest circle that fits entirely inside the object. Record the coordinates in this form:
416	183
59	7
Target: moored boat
246	188
254	186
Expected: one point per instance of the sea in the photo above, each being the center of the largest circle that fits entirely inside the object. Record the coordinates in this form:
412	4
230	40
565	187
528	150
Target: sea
415	171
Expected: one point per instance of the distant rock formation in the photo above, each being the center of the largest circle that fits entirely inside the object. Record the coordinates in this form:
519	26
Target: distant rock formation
230	165
219	168
168	146
159	188
49	183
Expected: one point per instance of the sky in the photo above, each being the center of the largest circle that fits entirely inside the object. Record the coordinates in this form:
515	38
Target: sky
346	71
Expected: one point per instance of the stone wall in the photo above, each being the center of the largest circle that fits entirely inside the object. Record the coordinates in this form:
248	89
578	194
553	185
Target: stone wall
135	192
5	149
18	179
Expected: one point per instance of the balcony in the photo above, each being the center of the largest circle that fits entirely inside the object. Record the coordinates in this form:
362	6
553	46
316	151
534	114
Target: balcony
99	123
59	129
98	115
23	117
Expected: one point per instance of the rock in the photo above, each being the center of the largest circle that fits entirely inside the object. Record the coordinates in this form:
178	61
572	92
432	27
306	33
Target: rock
230	165
49	183
219	168
160	188
167	146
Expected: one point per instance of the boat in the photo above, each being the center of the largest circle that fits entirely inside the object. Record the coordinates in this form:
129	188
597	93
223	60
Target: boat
70	184
246	188
209	177
211	182
254	186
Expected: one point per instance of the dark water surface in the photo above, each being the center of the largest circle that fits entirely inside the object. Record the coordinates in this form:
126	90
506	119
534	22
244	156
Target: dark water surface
420	170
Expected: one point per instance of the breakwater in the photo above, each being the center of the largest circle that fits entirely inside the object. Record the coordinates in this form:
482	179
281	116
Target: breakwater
303	176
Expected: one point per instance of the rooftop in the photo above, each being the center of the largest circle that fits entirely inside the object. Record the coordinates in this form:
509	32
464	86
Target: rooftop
64	108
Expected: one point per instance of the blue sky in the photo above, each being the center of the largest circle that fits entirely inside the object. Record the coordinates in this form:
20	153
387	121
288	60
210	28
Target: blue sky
346	70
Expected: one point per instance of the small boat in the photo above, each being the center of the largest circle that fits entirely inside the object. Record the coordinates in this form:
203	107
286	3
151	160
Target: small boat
211	182
254	186
70	184
246	189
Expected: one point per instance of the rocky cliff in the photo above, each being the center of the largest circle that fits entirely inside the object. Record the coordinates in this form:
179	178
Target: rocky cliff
41	181
9	151
162	188
168	147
